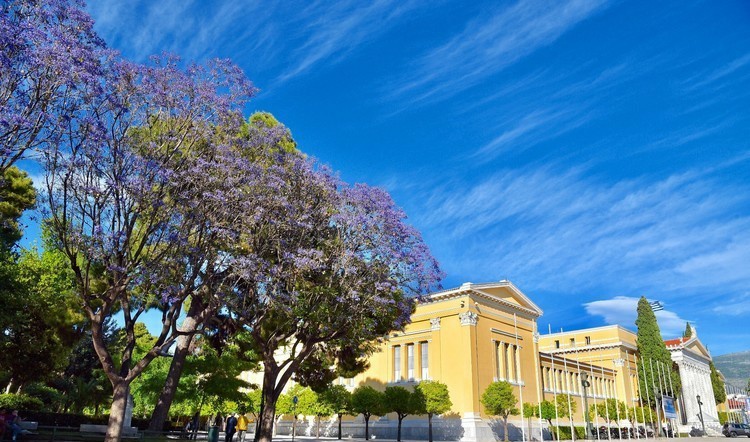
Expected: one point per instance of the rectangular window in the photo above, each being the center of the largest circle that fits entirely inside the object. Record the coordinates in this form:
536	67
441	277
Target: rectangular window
397	363
425	361
588	340
572	342
557	344
410	361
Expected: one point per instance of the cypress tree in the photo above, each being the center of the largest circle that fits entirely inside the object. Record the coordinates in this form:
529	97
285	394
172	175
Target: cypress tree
688	331
653	353
720	393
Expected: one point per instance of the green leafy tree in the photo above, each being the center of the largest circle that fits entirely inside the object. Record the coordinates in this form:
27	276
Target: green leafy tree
498	400
41	323
17	194
640	415
433	399
339	399
720	393
653	356
401	401
557	409
610	410
320	409
530	410
368	402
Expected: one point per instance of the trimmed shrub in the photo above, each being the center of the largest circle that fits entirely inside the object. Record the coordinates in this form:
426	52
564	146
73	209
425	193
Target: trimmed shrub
21	402
49	396
723	417
563	433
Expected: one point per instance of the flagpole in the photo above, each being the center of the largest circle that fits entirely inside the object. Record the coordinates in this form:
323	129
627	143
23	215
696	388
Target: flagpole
596	408
656	400
648	397
606	405
517	358
570	409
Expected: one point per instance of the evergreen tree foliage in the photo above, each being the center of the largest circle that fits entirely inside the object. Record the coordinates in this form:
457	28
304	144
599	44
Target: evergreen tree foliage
688	331
653	354
16	195
720	393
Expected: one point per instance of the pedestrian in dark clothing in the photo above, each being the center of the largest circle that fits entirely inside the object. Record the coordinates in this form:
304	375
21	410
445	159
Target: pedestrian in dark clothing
231	427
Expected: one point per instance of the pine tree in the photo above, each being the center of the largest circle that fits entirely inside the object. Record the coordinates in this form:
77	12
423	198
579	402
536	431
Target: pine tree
688	331
653	354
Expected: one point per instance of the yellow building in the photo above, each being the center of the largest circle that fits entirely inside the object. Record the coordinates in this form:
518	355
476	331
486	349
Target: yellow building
469	336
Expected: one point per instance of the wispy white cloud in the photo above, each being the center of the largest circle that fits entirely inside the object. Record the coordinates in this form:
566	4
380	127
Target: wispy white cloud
490	44
532	128
337	28
564	230
321	33
622	310
711	78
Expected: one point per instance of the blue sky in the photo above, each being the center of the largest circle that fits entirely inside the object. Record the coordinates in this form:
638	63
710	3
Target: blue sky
589	151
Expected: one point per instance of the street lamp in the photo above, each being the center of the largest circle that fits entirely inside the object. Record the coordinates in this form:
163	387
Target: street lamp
586	384
700	413
294	421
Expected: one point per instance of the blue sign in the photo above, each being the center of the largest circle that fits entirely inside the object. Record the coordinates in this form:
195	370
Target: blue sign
670	412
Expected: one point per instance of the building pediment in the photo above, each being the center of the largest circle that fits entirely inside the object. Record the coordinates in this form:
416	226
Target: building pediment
504	293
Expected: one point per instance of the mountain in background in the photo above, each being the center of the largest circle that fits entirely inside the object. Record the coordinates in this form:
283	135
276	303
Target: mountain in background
735	367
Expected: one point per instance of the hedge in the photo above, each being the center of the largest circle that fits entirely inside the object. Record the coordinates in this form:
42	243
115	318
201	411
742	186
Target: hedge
21	402
563	433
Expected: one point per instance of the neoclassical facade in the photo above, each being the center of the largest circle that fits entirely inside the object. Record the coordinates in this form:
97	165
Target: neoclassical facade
693	359
469	336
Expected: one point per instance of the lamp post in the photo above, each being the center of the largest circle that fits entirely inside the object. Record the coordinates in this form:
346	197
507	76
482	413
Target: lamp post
586	384
700	413
294	411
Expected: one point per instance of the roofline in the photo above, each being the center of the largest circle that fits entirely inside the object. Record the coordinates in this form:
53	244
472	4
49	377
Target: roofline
583	330
468	288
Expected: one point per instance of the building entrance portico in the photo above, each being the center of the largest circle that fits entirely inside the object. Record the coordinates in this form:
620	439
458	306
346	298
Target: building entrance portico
693	359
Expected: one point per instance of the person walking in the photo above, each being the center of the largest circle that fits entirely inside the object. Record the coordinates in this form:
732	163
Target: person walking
231	427
242	422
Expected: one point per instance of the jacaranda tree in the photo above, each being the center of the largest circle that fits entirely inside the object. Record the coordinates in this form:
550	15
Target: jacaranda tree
138	202
324	270
50	56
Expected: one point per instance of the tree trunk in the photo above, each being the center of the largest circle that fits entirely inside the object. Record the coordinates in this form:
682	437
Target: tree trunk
554	432
161	410
317	430
267	415
367	427
429	426
117	412
398	434
505	429
340	426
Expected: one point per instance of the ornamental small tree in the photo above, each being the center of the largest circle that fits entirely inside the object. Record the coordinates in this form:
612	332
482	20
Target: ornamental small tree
402	402
530	410
498	400
339	399
368	402
557	409
433	399
610	410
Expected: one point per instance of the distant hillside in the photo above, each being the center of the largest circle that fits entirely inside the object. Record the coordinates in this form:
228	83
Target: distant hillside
735	367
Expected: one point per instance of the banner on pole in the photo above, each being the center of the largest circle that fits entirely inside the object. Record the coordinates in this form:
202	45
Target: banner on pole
670	412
